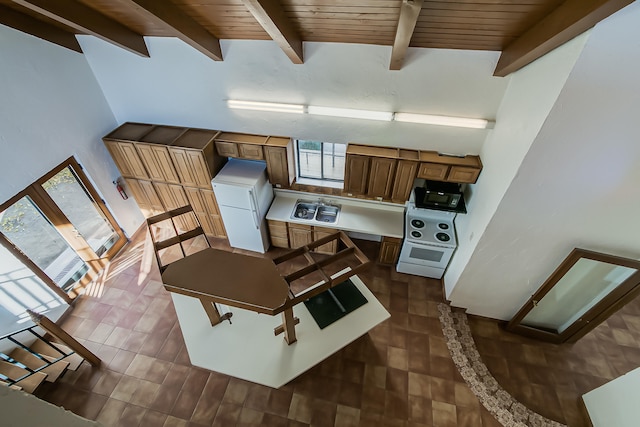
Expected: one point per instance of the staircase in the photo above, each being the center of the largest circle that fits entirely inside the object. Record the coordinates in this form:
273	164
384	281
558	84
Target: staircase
31	362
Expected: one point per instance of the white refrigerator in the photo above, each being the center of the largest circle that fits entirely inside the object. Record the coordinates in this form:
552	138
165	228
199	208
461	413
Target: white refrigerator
244	195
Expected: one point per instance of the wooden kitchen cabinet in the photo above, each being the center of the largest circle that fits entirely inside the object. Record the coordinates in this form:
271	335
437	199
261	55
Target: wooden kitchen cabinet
145	196
240	145
329	248
463	174
127	159
157	161
433	171
278	153
356	174
299	234
173	196
213	213
195	159
406	170
250	152
278	233
439	167
202	202
389	250
381	175
227	149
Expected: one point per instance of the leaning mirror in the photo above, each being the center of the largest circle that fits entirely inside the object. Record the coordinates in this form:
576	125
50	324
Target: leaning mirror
584	290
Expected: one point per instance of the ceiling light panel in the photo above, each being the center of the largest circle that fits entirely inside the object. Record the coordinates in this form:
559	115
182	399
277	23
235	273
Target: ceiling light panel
429	119
350	113
265	106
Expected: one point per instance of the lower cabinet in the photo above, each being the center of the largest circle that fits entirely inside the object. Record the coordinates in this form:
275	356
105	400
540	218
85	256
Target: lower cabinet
278	233
205	207
389	250
299	234
145	195
329	248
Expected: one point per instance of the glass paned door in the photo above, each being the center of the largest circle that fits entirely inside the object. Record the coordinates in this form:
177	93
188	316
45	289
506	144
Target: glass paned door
61	228
73	199
26	227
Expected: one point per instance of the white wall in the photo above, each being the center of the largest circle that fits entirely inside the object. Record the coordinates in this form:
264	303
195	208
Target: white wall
22	409
178	85
51	108
531	94
578	184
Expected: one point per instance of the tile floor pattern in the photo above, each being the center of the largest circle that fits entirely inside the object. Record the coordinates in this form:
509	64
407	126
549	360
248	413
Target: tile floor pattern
400	374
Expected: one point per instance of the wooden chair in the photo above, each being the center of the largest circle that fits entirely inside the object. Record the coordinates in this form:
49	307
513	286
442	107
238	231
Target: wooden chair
178	223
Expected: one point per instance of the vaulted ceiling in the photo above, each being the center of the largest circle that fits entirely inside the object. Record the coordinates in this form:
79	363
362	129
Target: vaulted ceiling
523	30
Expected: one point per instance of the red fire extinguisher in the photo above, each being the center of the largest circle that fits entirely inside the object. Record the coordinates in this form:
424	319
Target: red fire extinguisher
120	189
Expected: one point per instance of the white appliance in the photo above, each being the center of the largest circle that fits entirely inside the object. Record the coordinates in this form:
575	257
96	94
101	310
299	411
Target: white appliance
244	195
429	242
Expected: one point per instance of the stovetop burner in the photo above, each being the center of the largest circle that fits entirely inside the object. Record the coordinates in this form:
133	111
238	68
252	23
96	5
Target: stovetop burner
417	223
426	226
443	237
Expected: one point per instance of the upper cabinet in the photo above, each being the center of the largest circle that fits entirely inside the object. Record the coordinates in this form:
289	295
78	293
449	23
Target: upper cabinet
388	173
439	167
275	150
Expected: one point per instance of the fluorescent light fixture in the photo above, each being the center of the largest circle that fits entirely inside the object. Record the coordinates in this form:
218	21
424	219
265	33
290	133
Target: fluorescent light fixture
265	106
350	113
429	119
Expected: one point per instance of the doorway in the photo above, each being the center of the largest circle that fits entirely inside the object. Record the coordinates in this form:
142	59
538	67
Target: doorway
61	228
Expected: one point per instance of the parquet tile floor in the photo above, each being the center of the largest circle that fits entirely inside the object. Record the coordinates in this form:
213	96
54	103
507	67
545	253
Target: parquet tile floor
400	374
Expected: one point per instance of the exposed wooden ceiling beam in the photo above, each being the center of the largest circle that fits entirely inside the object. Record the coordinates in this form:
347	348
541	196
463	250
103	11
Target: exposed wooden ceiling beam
183	25
88	21
409	12
270	14
568	20
27	24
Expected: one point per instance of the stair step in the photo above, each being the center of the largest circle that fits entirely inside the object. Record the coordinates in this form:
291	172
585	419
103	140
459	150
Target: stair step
29	384
33	362
41	347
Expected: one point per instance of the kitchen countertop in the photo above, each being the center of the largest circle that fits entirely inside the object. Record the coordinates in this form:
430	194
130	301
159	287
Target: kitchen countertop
247	348
361	216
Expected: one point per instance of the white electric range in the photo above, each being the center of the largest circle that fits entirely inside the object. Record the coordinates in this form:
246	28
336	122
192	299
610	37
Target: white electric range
429	242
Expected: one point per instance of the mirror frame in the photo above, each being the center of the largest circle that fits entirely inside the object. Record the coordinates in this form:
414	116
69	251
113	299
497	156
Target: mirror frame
612	302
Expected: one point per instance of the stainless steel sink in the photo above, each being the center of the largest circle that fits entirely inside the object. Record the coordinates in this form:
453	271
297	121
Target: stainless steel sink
318	211
327	213
304	210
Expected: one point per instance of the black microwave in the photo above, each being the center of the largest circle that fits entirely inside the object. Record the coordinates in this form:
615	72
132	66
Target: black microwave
445	196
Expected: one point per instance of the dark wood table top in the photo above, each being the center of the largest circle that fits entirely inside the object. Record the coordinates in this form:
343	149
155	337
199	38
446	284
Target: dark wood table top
229	278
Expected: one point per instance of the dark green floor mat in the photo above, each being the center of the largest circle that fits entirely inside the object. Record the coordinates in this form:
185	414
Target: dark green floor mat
325	309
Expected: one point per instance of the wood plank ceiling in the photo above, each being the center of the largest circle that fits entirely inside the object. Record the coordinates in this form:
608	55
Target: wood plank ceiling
523	30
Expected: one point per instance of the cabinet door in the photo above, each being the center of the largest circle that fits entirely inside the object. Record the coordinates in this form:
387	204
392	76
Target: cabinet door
211	206
381	177
328	248
250	151
196	200
463	174
433	171
192	168
356	173
277	166
299	235
227	149
389	250
173	197
158	163
152	197
403	182
140	197
127	157
278	233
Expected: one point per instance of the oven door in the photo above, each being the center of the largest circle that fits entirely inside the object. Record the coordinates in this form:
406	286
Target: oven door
429	255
